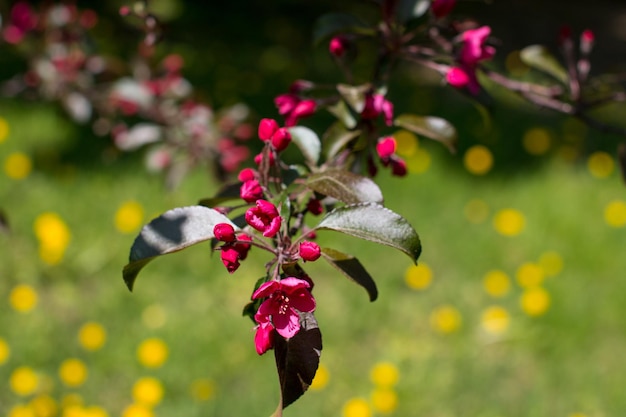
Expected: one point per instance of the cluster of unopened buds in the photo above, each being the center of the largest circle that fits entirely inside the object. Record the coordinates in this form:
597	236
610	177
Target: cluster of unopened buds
284	297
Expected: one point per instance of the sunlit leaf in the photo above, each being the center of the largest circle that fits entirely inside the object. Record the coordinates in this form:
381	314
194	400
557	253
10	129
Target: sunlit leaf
341	111
373	222
174	230
540	58
354	95
337	138
308	142
411	9
345	186
351	268
432	127
297	359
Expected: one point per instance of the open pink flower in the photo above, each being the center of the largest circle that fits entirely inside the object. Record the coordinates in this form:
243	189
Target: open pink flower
284	300
264	217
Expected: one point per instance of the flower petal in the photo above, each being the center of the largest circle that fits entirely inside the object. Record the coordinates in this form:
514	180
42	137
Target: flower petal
302	300
266	289
287	324
263	338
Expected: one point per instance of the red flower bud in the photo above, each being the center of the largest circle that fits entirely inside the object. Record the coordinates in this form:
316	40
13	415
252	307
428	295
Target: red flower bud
386	147
587	39
442	8
286	103
246	174
230	258
243	248
267	127
310	251
456	77
281	139
264	217
338	46
315	207
258	158
251	191
224	232
398	167
303	109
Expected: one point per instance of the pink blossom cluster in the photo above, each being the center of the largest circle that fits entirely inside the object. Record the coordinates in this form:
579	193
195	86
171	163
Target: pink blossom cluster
293	105
377	105
386	150
473	51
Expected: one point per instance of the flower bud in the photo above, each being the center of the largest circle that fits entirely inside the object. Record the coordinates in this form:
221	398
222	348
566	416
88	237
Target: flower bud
310	251
315	207
251	191
398	167
442	8
246	174
230	258
386	147
587	39
338	46
267	127
456	77
281	139
224	232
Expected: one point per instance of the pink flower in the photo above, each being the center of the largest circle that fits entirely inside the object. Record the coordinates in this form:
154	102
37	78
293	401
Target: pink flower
267	127
286	103
385	148
457	77
264	218
375	105
259	158
264	337
338	46
284	300
309	251
474	49
251	191
243	248
304	108
442	8
224	232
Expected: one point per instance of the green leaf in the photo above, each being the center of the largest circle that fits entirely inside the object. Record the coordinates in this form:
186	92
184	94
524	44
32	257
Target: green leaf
431	127
373	222
297	359
341	111
174	230
333	23
351	268
308	142
354	95
226	193
538	57
345	186
337	138
411	9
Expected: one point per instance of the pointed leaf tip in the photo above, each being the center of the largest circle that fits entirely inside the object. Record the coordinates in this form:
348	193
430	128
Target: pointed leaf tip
173	231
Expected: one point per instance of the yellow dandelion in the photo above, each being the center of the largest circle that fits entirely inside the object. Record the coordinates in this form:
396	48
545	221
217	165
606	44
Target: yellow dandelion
152	353
154	316
4	129
322	376
137	410
92	336
53	235
17	166
418	277
24	381
496	283
129	217
476	211
535	301
406	143
148	391
551	263
536	141
356	407
509	222
445	319
21	410
74	411
419	162
23	298
5	351
600	164
384	374
384	400
478	160
44	406
615	214
95	411
202	389
529	275
73	372
495	319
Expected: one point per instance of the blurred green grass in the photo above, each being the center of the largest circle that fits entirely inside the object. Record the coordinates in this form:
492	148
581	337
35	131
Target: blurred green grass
565	361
